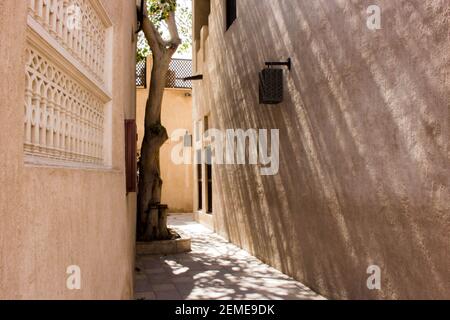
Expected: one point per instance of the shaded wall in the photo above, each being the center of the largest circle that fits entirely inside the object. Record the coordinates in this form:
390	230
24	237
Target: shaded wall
52	218
364	159
176	113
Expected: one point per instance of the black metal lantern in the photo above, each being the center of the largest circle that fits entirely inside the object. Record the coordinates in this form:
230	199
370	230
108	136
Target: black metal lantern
271	88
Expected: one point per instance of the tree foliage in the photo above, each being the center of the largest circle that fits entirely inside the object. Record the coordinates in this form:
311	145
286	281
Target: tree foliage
158	11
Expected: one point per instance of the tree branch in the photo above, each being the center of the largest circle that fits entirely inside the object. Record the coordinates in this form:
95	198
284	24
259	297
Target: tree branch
175	39
155	41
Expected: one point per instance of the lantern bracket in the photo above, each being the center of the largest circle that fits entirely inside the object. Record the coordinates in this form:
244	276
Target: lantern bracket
287	64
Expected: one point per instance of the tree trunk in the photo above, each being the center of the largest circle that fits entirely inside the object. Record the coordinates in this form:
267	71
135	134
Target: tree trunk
150	182
151	215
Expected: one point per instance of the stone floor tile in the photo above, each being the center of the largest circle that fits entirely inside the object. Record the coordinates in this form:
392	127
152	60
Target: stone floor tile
182	280
168	295
184	288
145	296
159	279
142	285
155	271
140	276
163	287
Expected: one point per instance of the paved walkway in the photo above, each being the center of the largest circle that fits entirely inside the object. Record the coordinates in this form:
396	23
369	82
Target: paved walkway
214	270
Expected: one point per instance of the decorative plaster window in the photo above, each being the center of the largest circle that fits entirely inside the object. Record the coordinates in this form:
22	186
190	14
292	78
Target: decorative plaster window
76	26
62	119
67	106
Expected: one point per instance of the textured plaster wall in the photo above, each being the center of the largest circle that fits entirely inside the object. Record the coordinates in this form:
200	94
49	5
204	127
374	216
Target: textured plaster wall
176	114
364	165
52	218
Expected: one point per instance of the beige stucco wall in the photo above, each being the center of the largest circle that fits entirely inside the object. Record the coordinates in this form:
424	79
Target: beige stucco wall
176	114
52	218
364	165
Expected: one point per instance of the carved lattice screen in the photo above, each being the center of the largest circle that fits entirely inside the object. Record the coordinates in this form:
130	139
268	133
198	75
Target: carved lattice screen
65	97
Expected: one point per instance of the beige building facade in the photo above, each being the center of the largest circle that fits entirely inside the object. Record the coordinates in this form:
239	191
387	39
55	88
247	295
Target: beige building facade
67	226
364	172
176	116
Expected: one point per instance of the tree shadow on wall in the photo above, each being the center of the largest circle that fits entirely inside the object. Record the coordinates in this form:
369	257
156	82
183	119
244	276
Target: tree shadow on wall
363	165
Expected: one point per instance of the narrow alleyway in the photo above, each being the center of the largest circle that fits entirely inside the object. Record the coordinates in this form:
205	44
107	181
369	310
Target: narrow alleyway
215	269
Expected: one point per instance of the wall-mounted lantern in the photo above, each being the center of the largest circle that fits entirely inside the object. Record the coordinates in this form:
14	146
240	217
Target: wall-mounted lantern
271	86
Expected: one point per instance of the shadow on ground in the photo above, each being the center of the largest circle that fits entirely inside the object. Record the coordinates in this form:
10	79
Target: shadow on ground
215	269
